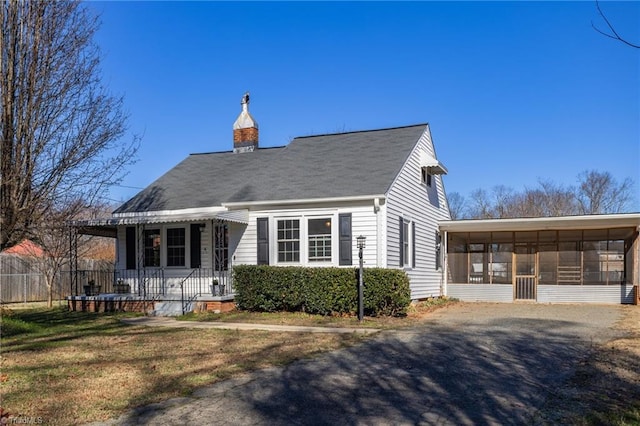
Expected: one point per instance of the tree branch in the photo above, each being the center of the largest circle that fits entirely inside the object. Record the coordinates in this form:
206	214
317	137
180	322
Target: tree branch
615	35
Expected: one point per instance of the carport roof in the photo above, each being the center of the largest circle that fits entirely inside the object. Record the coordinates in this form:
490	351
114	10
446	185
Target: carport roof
621	220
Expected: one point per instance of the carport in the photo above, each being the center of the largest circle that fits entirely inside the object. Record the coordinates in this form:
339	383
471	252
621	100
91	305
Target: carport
590	259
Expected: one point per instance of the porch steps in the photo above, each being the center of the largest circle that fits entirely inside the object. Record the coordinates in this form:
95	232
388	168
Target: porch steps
170	308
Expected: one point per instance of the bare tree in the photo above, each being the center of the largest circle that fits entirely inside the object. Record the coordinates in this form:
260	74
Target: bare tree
60	129
500	202
611	32
480	206
456	204
557	200
549	199
53	238
598	193
504	200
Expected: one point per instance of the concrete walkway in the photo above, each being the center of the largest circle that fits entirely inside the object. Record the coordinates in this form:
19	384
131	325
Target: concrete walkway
171	322
471	364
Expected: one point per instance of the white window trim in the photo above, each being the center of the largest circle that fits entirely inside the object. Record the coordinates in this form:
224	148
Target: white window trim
304	238
407	261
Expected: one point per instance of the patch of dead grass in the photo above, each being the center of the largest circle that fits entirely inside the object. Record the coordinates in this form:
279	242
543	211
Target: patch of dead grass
605	388
94	368
99	376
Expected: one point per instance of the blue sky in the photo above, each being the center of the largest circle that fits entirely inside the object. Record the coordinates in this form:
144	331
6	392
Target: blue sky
513	91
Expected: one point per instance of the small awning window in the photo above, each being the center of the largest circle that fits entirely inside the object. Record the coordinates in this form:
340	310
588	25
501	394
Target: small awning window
435	168
432	165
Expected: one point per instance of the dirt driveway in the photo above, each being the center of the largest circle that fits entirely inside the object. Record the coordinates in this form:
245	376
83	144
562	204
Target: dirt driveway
479	364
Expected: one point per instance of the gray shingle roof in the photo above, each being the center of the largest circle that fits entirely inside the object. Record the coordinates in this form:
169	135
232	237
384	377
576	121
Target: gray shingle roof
323	166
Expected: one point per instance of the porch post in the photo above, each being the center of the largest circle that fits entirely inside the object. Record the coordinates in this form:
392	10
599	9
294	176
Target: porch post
140	266
445	262
73	260
635	272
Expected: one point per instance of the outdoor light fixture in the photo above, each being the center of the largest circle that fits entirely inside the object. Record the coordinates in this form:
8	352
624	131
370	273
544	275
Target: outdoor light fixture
360	240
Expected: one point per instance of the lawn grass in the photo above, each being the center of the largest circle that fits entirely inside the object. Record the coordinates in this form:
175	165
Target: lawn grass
63	367
72	367
416	313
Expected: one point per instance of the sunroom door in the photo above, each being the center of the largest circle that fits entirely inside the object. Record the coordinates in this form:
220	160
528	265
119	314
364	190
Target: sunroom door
525	278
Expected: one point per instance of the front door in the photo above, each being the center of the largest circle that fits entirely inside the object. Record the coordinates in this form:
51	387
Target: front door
525	280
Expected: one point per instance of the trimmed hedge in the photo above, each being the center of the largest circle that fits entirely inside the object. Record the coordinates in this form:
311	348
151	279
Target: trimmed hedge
320	290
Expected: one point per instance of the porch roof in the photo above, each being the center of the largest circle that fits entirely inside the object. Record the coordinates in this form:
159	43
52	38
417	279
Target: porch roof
107	227
621	220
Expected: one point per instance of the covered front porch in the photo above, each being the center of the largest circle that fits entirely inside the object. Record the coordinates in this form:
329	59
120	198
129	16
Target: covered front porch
173	258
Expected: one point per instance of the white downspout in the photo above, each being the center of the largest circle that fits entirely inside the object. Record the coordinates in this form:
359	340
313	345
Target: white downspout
379	233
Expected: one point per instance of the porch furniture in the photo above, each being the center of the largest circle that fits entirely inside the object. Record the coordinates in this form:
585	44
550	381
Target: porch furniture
91	289
121	288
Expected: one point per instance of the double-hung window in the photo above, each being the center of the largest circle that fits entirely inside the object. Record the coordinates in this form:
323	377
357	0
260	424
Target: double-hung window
407	235
305	240
288	240
176	243
152	248
319	237
405	243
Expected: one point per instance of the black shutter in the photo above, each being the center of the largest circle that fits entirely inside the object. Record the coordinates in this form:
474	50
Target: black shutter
344	238
130	248
263	240
401	237
196	245
413	244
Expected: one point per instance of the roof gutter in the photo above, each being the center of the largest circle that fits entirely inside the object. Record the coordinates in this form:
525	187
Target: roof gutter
239	204
542	223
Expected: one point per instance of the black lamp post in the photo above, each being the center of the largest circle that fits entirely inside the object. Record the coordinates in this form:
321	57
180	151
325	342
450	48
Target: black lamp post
361	243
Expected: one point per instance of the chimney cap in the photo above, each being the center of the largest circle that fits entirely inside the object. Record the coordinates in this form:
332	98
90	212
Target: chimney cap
245	120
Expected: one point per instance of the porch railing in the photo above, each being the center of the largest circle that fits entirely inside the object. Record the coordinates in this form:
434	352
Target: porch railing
152	283
192	282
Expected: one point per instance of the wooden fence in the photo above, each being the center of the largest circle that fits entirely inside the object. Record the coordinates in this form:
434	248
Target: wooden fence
22	281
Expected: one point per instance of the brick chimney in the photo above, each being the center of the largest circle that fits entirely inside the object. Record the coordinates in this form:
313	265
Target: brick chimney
245	129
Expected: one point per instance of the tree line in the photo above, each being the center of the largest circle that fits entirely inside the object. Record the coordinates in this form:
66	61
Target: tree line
596	192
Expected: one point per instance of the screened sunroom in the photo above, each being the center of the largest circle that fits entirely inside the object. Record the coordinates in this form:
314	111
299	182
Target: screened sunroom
563	259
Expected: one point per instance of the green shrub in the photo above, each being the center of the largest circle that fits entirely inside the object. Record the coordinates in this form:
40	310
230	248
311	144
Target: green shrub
320	290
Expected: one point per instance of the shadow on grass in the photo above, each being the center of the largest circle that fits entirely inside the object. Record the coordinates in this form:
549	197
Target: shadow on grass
503	372
35	328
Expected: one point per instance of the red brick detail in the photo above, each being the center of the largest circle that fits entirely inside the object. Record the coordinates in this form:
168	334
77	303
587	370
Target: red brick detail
83	304
249	134
98	305
220	306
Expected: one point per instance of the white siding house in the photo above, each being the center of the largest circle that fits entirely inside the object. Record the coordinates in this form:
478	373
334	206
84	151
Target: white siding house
417	200
283	206
304	204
